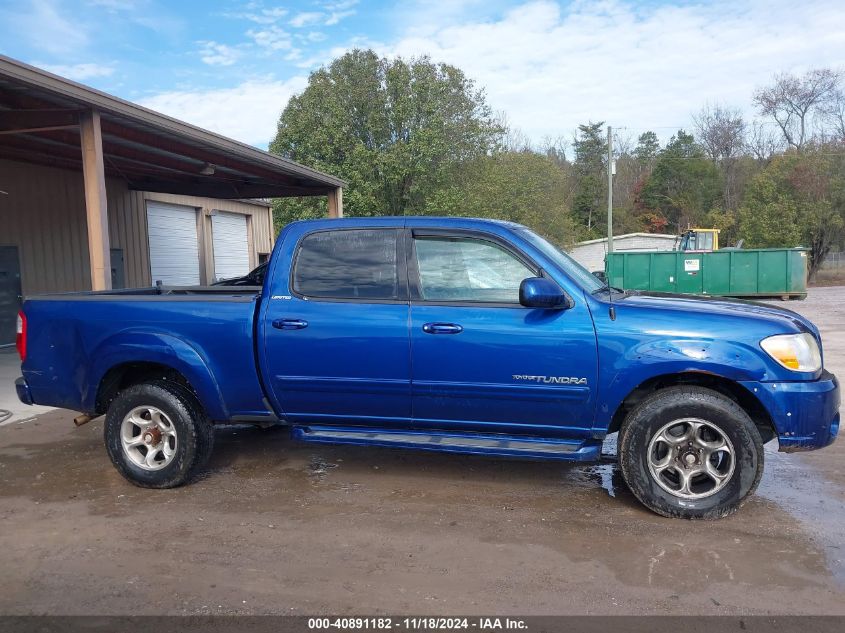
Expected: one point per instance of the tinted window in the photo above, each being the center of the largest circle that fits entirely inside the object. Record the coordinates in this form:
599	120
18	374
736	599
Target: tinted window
357	264
458	269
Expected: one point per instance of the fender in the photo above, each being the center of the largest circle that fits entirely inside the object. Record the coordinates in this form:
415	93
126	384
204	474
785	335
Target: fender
138	346
621	374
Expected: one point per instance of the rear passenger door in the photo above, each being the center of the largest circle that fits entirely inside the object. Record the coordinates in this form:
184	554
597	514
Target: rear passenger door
336	346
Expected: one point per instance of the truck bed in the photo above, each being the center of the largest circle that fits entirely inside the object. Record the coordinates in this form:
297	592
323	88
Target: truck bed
156	292
78	337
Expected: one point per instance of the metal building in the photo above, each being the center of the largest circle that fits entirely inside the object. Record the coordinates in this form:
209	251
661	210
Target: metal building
590	254
97	192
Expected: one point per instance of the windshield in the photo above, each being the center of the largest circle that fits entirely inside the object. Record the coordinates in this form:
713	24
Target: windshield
576	271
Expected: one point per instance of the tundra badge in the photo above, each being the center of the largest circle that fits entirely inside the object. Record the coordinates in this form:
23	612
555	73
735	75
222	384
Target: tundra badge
552	380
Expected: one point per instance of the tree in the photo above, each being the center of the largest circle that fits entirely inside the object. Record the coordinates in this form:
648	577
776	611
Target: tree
683	186
627	181
834	113
763	142
555	150
721	132
393	129
797	200
647	149
523	186
590	148
792	101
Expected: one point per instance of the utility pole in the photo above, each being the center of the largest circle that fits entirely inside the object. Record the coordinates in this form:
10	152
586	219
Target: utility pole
609	189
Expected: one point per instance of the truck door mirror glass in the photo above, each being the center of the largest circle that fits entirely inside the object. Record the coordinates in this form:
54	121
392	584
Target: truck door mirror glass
539	292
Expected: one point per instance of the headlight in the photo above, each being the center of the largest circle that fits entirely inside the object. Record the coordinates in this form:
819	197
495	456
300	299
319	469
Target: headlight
798	352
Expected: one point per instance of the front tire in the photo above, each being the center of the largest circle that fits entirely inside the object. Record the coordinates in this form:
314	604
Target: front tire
690	452
157	434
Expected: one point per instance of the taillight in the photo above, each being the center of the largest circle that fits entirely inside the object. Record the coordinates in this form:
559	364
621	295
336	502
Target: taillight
20	336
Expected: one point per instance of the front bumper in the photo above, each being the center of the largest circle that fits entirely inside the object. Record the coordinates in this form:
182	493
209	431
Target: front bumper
24	395
805	414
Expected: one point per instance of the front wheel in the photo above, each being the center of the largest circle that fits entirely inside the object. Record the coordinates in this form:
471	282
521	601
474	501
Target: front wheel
690	452
157	435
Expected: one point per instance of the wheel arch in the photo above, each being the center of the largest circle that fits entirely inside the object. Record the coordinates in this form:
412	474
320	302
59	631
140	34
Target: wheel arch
133	358
725	386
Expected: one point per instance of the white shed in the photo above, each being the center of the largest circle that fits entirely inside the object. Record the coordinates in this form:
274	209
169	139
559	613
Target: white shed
590	254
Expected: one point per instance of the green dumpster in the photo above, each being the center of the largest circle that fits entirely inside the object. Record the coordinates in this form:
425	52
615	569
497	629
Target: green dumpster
764	272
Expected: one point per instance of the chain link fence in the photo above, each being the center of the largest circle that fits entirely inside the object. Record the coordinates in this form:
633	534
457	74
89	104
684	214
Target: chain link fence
834	261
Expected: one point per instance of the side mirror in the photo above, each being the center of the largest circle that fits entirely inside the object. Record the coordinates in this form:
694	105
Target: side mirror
539	292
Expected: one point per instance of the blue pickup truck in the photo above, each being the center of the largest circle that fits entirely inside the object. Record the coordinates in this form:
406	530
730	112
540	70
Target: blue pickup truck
445	334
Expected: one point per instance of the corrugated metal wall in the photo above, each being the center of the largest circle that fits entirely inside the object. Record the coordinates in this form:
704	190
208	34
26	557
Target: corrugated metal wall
591	254
43	214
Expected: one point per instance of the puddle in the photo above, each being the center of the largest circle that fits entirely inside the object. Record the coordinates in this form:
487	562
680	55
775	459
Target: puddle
800	490
607	476
319	468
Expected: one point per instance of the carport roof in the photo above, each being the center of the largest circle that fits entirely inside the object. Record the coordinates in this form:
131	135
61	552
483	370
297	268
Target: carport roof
39	118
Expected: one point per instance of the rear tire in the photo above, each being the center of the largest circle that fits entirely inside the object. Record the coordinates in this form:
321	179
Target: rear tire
690	452
157	434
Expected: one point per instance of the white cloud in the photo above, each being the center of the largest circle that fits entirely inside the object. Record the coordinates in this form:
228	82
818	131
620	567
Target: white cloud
261	15
248	112
44	25
332	13
306	18
338	10
551	67
215	54
325	57
337	16
114	5
272	38
273	14
339	5
315	36
77	72
139	12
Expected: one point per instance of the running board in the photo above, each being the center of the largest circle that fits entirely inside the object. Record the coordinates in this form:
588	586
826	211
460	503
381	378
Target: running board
451	442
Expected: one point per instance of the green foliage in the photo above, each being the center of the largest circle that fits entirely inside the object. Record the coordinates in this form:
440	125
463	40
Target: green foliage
683	186
725	221
524	187
589	204
797	200
647	149
395	130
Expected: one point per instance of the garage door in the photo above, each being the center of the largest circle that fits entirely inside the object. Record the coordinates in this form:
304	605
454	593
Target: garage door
231	247
174	247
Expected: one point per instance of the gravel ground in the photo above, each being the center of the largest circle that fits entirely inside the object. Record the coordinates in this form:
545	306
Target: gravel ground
281	527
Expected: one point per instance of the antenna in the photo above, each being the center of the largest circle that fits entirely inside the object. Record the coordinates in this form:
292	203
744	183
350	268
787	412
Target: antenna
609	254
611	311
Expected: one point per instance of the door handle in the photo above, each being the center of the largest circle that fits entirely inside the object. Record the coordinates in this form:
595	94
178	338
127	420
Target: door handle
290	324
442	328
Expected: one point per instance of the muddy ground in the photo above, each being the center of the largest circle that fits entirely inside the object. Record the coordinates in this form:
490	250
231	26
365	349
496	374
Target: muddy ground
280	527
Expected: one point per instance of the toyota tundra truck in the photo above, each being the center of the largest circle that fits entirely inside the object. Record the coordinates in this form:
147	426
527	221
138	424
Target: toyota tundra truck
442	334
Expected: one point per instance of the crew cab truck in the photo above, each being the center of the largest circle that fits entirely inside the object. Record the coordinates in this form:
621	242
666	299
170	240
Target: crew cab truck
445	334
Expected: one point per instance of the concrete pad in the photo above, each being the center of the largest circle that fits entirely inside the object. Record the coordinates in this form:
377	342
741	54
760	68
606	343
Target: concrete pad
10	369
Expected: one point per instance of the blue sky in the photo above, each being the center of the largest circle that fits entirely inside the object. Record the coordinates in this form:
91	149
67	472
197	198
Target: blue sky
548	65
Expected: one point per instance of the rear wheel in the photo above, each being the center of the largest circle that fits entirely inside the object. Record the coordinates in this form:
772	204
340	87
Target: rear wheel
690	452
157	435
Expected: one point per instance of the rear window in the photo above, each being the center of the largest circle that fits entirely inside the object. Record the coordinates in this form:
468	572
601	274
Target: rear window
354	264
